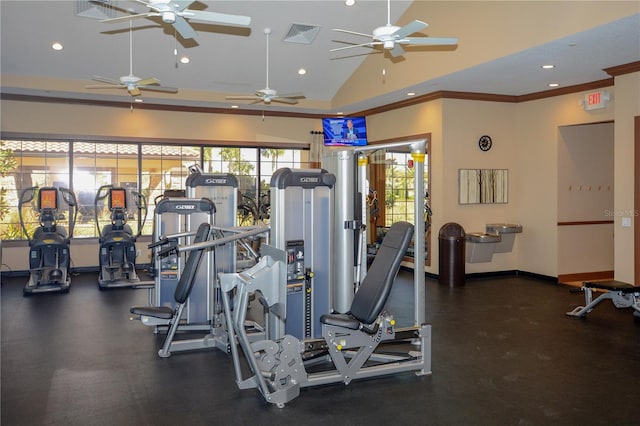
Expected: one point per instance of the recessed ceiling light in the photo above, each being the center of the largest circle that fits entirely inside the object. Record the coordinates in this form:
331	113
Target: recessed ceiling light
56	46
548	66
185	60
350	2
234	106
302	71
340	113
554	84
411	93
139	100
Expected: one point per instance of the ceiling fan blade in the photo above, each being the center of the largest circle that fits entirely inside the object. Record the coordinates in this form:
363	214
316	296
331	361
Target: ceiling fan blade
105	80
352	32
284	100
154	88
243	98
370	44
296	95
128	18
104	86
148	81
134	91
217	18
410	28
397	50
184	29
433	41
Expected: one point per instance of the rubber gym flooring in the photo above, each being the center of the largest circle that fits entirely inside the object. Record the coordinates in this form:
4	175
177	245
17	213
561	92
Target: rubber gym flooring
504	353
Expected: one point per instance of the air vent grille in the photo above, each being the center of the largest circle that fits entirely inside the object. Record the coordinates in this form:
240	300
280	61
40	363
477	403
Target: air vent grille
302	33
96	9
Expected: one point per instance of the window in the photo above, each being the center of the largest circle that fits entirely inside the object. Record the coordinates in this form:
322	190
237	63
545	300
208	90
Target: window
25	164
164	167
150	168
95	165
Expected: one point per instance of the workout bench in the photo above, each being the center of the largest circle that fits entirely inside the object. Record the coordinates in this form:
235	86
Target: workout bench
623	295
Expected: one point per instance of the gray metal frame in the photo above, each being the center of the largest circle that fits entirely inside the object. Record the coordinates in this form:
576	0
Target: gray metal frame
621	295
177	218
302	210
342	163
277	367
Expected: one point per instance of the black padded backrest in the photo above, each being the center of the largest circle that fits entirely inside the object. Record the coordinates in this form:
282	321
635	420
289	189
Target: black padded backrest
187	279
374	291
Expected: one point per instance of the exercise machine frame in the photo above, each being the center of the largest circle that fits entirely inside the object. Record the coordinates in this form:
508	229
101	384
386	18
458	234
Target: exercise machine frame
350	341
49	255
118	252
621	294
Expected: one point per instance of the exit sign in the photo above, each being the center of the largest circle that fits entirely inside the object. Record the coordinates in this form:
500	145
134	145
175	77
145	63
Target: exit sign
595	100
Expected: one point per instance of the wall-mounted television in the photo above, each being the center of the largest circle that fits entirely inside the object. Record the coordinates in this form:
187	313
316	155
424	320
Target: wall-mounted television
344	131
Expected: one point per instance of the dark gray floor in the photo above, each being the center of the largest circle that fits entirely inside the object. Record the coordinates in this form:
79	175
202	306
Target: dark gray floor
504	353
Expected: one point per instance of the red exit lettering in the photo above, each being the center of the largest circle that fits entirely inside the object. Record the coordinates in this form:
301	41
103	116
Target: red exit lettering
593	98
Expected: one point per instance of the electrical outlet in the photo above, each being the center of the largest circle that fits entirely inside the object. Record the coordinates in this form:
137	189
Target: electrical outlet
626	222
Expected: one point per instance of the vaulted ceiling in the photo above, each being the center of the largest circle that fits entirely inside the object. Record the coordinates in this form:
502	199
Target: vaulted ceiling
501	48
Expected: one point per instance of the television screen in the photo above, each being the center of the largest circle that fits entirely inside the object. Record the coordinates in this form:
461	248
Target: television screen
344	131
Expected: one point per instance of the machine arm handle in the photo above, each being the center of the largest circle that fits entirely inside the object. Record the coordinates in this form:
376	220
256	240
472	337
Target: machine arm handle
161	242
166	251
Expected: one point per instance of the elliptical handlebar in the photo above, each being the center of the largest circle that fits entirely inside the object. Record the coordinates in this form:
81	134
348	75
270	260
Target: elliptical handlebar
103	192
70	198
141	203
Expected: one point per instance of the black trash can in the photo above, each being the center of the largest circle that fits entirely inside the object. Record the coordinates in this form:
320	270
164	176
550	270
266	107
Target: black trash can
451	244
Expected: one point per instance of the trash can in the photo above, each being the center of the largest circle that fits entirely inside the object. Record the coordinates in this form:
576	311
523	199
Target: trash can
451	244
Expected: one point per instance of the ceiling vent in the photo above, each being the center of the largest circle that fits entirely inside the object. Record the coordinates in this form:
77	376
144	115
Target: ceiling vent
301	33
96	9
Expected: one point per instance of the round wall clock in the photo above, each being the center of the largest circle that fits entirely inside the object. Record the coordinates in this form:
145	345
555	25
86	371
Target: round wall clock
485	143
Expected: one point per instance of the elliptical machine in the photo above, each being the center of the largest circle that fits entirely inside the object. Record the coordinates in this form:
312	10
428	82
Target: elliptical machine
49	259
117	240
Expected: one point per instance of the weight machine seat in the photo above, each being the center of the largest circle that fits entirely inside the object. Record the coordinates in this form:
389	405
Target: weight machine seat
185	284
613	285
374	291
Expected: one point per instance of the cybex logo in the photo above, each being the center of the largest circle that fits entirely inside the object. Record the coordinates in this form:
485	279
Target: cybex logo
214	180
185	207
309	179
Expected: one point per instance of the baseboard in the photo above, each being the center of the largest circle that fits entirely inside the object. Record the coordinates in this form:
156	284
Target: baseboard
586	276
496	274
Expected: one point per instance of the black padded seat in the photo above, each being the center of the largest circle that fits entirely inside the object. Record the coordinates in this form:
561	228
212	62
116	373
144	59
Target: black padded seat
374	291
613	285
163	312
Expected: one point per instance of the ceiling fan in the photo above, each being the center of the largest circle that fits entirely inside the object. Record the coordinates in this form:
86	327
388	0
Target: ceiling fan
130	82
392	37
176	13
267	95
